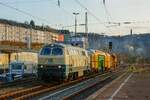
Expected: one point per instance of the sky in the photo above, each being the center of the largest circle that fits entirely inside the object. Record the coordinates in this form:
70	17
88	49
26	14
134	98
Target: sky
100	16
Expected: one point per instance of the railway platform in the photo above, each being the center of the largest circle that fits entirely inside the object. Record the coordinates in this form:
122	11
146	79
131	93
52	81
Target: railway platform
134	85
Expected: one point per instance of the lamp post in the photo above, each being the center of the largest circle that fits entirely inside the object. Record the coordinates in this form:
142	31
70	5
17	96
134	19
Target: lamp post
75	22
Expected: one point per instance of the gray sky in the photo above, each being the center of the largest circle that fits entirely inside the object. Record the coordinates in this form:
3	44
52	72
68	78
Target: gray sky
48	12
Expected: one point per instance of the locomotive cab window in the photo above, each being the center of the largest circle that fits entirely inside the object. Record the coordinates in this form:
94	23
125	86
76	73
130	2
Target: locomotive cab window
57	51
46	51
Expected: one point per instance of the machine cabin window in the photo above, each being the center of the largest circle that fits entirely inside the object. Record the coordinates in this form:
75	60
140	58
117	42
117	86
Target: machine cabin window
57	51
46	51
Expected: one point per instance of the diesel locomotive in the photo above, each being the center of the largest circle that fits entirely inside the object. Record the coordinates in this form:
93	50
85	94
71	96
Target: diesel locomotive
61	62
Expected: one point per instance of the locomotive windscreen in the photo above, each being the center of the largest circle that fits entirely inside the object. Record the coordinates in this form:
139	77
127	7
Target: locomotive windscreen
46	51
57	51
54	51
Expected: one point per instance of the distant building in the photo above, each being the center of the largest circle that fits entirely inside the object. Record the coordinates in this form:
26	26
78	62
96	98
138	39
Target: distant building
20	34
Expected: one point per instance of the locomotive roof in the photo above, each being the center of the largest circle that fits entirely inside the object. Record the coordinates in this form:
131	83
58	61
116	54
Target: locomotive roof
64	45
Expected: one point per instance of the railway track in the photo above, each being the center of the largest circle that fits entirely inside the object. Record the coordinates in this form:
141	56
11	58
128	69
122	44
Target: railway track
88	90
18	85
20	93
35	91
71	91
17	82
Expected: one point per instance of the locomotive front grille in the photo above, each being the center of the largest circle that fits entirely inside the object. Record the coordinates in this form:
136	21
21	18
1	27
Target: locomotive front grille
52	73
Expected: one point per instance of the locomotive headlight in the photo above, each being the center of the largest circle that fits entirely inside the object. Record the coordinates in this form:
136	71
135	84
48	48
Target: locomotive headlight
59	66
41	66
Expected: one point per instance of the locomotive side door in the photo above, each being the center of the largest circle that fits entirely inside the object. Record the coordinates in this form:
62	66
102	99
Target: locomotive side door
101	63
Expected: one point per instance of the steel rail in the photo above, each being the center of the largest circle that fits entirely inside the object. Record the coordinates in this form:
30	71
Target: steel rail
41	89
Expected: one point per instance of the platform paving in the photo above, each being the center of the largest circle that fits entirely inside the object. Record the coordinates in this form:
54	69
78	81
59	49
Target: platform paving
130	86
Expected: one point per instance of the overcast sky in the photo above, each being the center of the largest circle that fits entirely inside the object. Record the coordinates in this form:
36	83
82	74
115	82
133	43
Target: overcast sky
48	12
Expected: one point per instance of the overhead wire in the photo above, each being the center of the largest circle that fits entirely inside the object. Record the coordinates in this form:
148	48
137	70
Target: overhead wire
26	13
92	14
109	17
23	12
59	4
29	14
26	1
35	1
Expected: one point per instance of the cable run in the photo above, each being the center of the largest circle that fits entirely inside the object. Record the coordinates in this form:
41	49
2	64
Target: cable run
23	12
107	12
27	1
92	14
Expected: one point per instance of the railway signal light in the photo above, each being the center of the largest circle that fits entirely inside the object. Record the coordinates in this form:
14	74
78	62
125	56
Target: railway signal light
110	45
